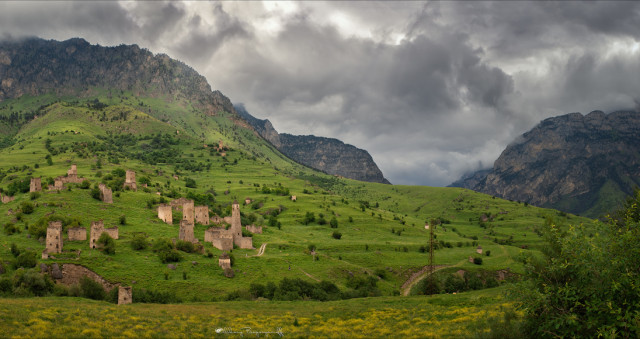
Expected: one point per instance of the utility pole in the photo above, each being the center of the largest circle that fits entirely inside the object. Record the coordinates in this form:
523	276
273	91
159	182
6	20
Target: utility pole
431	268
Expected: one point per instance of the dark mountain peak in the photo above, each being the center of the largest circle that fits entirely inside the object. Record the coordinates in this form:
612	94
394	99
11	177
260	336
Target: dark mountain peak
75	67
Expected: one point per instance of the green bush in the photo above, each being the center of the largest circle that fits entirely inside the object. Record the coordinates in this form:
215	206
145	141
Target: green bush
15	251
10	228
34	195
107	244
85	184
477	261
336	235
26	207
333	222
185	246
139	242
92	289
26	259
167	256
32	282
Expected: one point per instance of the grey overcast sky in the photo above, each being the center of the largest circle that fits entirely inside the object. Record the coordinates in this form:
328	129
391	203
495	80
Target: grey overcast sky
431	89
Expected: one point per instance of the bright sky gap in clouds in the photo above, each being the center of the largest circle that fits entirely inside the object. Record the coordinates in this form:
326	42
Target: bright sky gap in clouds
431	89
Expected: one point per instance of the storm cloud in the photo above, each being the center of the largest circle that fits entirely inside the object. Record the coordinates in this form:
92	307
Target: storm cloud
431	89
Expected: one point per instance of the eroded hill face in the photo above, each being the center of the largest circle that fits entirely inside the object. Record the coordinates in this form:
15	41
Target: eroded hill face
577	163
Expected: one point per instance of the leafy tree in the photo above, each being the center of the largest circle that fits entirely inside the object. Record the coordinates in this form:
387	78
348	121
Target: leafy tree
333	222
139	242
588	282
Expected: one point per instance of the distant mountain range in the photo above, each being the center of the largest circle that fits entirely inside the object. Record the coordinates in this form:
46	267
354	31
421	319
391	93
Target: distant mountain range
329	155
583	164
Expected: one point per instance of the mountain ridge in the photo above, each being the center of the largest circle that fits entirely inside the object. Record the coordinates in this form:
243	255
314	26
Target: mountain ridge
576	163
329	155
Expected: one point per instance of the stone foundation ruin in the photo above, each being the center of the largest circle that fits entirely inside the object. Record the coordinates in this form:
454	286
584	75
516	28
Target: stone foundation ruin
224	261
165	213
254	229
77	234
6	199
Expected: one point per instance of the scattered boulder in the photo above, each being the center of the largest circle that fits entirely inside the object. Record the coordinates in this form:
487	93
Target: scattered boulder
194	263
171	267
44	268
56	273
229	273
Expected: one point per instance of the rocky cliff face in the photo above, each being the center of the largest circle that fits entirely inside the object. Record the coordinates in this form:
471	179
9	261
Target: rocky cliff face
325	154
577	163
75	67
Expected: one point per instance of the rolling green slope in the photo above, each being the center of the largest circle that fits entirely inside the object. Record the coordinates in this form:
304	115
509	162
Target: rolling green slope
381	226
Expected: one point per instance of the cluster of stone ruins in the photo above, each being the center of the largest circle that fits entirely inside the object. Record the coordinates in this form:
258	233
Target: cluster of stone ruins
219	236
53	242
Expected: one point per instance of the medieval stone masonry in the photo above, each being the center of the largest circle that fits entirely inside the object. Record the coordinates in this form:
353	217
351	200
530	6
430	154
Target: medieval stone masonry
77	234
202	215
124	295
130	180
165	213
36	185
54	237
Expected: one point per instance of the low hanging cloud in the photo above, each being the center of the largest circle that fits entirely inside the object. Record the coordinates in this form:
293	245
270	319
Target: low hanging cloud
432	90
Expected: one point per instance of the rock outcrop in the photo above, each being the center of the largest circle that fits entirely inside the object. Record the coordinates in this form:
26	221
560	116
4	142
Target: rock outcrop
328	155
583	164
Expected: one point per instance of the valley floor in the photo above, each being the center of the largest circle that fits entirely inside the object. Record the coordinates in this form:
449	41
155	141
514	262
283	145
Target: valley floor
462	315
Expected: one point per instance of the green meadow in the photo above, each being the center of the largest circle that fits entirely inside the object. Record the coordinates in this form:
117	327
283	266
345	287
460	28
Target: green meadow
378	230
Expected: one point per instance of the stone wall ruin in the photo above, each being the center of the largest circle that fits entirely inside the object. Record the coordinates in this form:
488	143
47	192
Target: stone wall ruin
188	211
124	295
254	229
165	213
106	195
77	234
202	215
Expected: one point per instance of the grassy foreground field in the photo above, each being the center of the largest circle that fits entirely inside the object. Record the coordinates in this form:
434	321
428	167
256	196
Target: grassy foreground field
462	315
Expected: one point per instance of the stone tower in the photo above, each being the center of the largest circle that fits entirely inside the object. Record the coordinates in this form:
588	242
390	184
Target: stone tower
236	224
186	231
54	237
97	228
202	215
36	185
130	180
188	211
124	295
165	213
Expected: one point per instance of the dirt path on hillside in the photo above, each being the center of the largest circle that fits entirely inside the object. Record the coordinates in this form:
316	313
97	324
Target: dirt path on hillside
310	276
261	250
423	273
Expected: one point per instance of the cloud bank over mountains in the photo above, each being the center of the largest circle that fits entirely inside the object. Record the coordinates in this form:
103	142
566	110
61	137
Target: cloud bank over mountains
431	89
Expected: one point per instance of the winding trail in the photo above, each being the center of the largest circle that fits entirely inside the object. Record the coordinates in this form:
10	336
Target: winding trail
261	250
423	273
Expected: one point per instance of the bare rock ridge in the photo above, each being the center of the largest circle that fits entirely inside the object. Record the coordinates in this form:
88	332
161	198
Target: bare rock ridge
74	67
325	154
583	164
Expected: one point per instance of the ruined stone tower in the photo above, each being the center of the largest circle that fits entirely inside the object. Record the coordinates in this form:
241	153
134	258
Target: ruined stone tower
165	213
236	228
188	211
186	231
125	296
54	237
35	185
73	171
130	180
106	195
97	228
202	215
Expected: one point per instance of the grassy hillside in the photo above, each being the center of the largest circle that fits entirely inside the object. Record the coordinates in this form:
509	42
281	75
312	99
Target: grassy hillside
172	148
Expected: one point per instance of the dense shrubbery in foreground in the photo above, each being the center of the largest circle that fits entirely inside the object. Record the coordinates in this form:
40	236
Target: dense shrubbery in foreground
588	283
